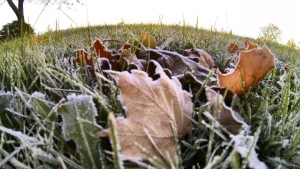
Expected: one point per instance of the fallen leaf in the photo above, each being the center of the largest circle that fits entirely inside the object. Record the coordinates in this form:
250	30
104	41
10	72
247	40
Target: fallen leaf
125	46
179	65
190	83
148	41
201	57
107	60
152	107
83	58
102	50
249	45
135	63
251	67
86	61
227	117
233	48
132	60
103	64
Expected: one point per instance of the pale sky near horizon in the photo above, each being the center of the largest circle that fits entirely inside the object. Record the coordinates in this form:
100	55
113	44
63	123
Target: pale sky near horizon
239	16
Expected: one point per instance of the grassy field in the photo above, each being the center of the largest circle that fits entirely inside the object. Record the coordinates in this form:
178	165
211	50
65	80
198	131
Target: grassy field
36	78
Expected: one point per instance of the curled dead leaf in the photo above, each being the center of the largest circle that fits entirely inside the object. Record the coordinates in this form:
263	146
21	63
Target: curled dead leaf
148	41
227	117
251	67
152	106
200	56
179	65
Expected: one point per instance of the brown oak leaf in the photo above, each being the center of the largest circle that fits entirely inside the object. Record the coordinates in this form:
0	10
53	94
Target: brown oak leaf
152	106
225	115
200	56
252	65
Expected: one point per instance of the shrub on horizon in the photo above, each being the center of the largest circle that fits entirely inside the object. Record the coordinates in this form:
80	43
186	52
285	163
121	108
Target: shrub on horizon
11	30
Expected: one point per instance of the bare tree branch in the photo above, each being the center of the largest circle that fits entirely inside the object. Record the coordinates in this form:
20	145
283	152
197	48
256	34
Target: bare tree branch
14	8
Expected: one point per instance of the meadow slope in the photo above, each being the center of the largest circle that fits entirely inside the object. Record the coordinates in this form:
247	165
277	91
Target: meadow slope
38	76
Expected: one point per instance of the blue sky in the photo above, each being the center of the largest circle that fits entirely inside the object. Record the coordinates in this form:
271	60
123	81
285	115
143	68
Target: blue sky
240	16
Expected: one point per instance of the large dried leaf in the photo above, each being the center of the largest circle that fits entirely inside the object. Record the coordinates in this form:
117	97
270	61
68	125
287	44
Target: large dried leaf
151	106
179	65
200	56
227	117
252	66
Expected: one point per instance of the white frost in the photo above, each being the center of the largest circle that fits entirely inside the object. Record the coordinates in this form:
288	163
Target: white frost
243	146
38	95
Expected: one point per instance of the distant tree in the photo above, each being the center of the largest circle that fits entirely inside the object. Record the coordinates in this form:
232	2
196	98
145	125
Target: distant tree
270	33
291	43
11	30
18	8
